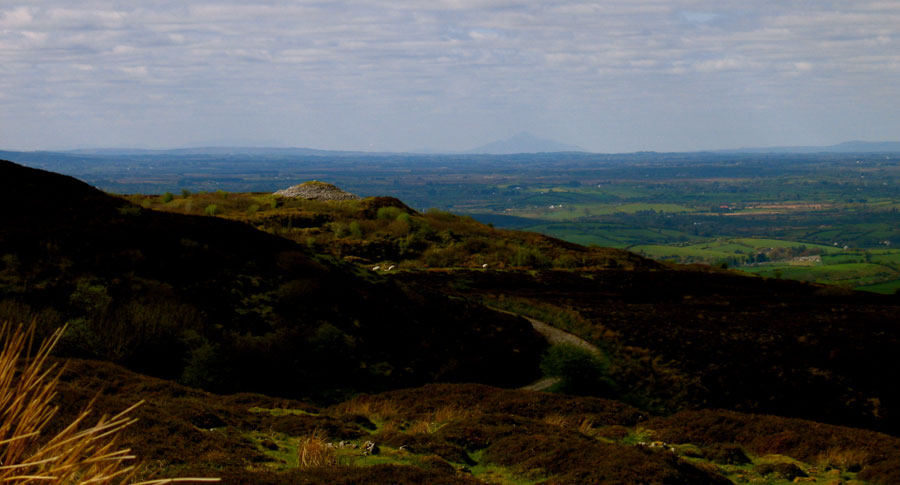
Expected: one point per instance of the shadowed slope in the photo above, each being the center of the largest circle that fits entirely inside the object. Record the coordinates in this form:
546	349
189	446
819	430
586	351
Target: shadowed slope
221	305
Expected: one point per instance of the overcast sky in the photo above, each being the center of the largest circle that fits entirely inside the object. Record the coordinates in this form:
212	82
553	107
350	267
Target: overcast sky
609	76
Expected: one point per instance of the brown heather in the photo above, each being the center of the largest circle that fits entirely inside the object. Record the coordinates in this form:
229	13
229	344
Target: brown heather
77	454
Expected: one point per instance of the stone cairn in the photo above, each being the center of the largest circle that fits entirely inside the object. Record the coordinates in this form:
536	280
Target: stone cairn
315	190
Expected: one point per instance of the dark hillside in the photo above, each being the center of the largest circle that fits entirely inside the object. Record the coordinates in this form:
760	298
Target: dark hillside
720	339
221	305
680	335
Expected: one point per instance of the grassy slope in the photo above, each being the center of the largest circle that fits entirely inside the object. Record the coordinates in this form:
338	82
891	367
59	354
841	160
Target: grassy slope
380	230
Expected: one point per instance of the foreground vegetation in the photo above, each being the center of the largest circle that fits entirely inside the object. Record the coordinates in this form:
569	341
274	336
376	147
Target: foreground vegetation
466	433
36	444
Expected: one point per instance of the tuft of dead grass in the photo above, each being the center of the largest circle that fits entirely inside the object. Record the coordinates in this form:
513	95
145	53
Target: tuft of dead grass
434	420
78	454
422	426
372	408
315	450
452	412
557	420
586	427
843	458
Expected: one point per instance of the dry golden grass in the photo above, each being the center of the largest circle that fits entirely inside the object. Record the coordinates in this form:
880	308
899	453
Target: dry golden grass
842	458
586	427
391	426
422	426
451	412
557	420
314	450
380	409
78	454
435	420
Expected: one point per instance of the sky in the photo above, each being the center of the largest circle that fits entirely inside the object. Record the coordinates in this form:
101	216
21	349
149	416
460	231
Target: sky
399	75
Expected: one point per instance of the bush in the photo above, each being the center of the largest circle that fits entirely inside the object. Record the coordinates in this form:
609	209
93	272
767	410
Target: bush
389	213
726	454
526	256
582	371
355	229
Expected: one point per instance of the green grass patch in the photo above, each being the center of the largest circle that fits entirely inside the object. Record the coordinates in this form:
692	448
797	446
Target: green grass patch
284	452
563	211
759	243
491	473
681	253
608	235
886	288
281	411
849	273
886	257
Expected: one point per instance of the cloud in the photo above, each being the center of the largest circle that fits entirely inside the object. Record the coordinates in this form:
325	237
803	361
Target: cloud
320	64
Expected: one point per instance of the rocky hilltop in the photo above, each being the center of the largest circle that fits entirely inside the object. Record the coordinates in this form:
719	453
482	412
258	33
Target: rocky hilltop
315	190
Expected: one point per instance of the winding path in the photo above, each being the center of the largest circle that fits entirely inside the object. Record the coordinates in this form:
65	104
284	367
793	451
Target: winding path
554	336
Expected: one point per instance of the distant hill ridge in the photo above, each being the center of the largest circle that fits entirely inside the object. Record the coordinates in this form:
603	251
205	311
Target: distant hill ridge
524	143
845	147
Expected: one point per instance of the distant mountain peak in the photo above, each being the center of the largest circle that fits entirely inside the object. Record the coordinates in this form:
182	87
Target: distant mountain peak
524	142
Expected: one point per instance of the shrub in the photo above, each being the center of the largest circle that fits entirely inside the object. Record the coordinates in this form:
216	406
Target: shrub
388	213
211	210
582	371
355	229
566	261
167	197
726	454
526	256
785	471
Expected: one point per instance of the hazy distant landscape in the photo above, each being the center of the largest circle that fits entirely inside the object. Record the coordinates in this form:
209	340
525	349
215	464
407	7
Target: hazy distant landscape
825	216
